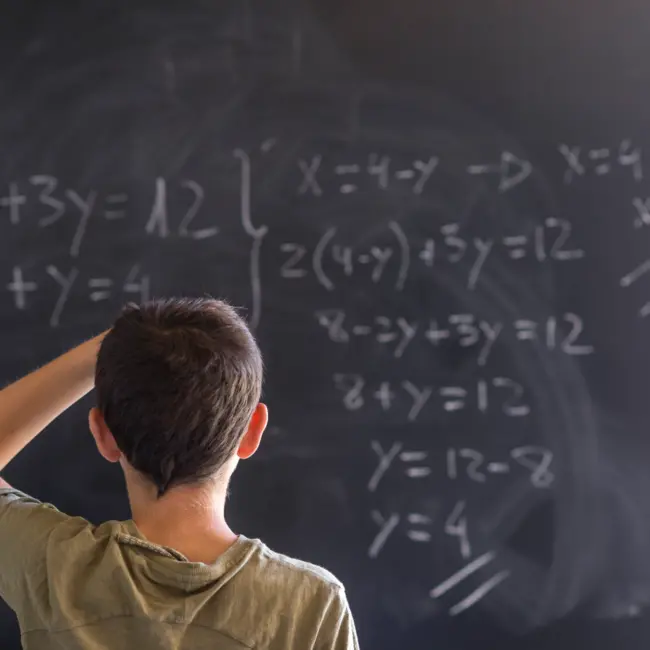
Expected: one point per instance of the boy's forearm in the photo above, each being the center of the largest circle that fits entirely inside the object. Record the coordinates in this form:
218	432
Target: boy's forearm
32	403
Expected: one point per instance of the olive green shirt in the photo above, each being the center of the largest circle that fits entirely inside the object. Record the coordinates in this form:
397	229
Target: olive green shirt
76	586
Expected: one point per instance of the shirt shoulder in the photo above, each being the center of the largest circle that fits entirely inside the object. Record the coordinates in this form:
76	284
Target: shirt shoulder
284	567
36	539
22	514
286	604
10	496
15	501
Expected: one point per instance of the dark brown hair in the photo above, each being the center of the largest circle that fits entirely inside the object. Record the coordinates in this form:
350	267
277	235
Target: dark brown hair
177	383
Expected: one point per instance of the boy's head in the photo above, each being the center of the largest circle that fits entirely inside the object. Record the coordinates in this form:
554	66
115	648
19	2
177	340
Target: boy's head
178	387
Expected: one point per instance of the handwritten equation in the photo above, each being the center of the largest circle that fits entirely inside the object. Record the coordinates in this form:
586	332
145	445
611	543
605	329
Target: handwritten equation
323	175
61	283
502	394
564	333
42	201
419	528
550	242
460	464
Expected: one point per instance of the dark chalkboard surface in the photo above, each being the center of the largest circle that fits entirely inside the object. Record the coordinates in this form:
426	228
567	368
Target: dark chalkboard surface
436	216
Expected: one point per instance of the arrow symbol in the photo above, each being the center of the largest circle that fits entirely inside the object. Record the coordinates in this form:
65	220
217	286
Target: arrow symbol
513	171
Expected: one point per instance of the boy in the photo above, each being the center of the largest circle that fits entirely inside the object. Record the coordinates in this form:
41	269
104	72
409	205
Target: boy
178	387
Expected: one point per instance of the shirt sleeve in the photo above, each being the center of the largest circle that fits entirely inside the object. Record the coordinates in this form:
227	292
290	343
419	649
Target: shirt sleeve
338	631
26	525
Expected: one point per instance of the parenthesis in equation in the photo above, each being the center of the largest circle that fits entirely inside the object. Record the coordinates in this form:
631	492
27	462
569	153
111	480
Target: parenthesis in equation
405	254
317	261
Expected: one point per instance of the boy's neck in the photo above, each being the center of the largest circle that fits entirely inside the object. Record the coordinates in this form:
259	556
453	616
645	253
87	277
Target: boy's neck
187	519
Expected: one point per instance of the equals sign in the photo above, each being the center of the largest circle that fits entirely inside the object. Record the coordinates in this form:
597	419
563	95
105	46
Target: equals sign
103	284
361	330
415	457
420	536
516	244
115	200
498	468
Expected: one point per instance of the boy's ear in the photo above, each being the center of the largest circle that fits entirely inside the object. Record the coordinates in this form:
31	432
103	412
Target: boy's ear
253	436
103	437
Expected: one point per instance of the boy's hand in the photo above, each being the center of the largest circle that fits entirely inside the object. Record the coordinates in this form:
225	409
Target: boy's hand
89	350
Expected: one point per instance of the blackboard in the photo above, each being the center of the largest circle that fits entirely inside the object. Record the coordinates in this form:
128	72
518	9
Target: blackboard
436	217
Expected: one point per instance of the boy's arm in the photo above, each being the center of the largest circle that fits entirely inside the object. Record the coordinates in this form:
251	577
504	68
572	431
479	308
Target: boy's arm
30	404
29	528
